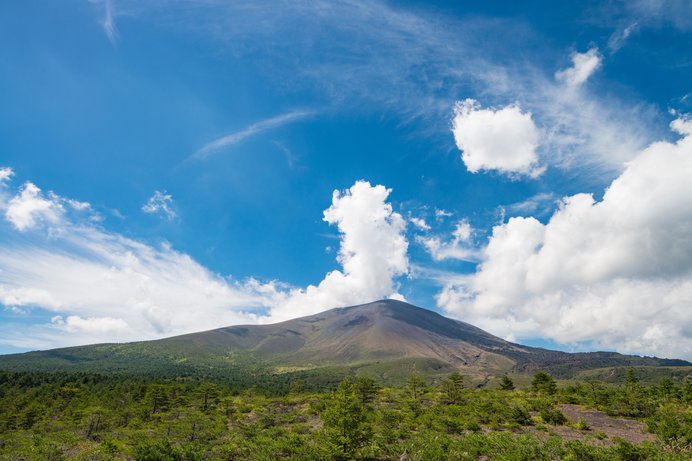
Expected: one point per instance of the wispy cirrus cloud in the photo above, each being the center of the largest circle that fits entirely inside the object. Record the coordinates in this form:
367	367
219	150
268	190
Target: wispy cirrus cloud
537	205
250	131
656	13
108	21
619	37
414	63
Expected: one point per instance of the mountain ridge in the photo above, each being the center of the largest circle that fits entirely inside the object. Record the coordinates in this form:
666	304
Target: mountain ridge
381	335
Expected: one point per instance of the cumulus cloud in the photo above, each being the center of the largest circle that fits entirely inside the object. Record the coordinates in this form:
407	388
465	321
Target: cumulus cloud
372	254
503	140
160	203
30	207
615	272
459	247
583	66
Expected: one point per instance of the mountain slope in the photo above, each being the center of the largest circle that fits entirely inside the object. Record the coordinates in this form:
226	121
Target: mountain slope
380	336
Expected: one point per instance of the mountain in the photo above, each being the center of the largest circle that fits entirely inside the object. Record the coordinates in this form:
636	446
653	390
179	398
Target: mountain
386	338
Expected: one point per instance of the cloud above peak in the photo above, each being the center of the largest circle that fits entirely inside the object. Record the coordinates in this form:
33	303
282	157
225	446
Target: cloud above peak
502	140
373	253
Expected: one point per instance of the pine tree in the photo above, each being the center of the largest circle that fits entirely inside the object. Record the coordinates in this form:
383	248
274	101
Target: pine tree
631	378
208	394
345	421
158	396
416	386
366	389
506	384
687	390
453	387
544	383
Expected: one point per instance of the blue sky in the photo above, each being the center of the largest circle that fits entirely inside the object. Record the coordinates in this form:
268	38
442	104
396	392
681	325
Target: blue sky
167	168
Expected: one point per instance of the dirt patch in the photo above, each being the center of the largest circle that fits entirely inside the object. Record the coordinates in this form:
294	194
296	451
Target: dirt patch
600	424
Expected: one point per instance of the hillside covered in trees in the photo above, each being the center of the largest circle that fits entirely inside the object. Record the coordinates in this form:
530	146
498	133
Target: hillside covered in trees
82	416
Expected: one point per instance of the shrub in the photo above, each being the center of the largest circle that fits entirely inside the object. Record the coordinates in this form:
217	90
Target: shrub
520	415
552	416
473	426
672	425
162	450
582	425
506	384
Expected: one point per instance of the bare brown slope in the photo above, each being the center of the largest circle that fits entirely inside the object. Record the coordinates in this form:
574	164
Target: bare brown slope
390	330
380	330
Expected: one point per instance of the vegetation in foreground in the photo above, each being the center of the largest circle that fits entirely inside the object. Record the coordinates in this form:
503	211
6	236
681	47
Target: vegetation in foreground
55	416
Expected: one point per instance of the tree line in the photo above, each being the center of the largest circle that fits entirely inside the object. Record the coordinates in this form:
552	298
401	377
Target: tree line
57	416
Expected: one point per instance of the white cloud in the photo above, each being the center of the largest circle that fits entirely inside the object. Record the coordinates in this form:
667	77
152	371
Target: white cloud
93	325
93	274
617	272
459	247
397	297
77	205
583	66
419	223
5	174
102	286
30	207
373	253
504	140
160	203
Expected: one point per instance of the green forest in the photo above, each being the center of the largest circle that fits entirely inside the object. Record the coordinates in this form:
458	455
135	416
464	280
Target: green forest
87	416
